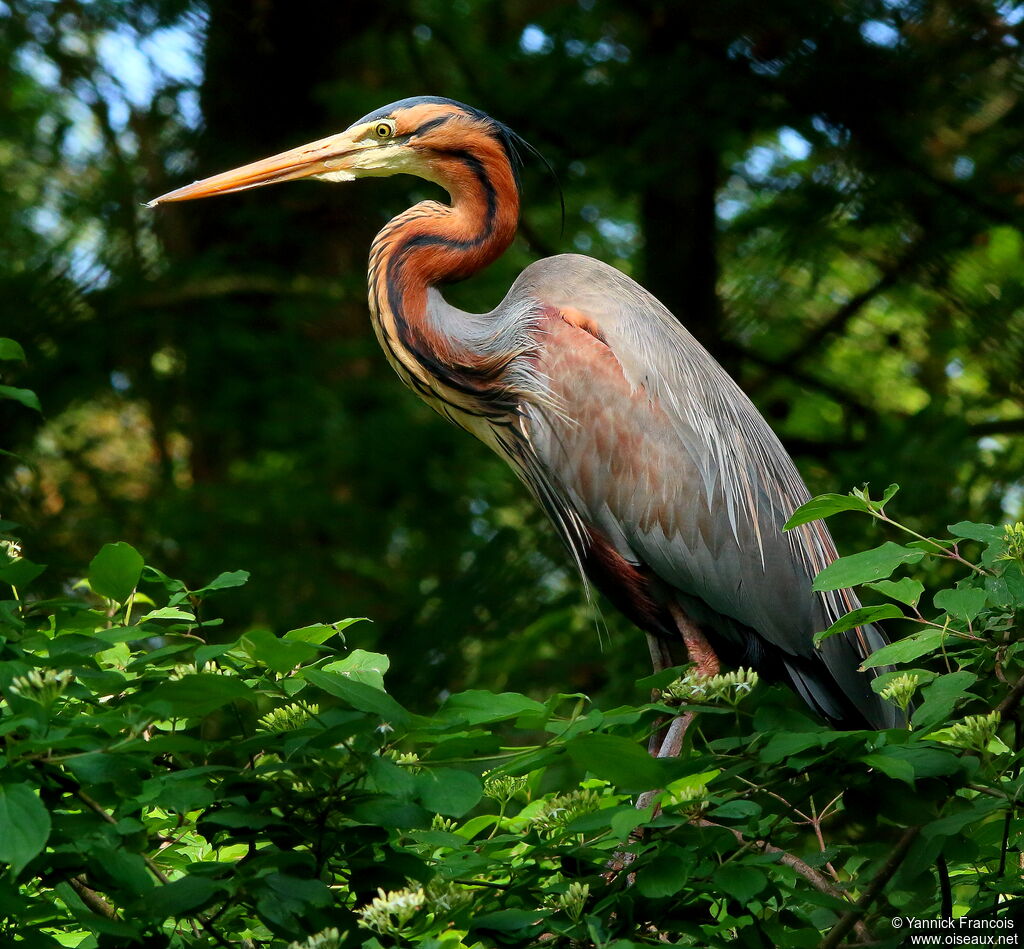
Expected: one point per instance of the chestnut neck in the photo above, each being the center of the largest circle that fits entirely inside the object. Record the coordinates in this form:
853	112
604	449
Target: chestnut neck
434	243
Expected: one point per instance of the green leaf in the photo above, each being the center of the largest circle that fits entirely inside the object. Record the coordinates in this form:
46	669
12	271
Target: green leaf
737	810
24	825
320	632
966	815
168	612
964	602
985	533
224	581
179	897
195	696
914	645
478	707
784	744
115	571
447	791
940	697
743	883
874	564
277	654
21	572
11	350
898	768
905	590
867	565
360	696
508	920
619	760
363	666
858	617
888	494
666	874
824	506
25	396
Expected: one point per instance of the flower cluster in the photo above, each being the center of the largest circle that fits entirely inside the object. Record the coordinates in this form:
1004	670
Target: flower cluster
565	808
326	939
182	669
10	551
288	717
572	901
730	688
390	913
900	690
691	800
502	787
1013	538
975	732
445	897
407	759
44	687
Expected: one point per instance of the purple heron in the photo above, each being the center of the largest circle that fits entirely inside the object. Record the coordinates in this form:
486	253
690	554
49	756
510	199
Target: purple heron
665	483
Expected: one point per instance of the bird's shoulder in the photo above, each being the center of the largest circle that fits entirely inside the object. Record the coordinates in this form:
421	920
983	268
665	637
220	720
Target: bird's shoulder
662	447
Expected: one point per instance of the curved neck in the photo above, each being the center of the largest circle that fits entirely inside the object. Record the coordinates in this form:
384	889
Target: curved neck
433	243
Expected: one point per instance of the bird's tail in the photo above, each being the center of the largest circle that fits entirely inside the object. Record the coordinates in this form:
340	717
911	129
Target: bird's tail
831	683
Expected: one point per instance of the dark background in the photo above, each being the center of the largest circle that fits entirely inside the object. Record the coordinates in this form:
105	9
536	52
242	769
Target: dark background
830	195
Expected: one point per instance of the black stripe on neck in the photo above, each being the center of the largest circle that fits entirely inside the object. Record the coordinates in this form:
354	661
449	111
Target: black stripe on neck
459	380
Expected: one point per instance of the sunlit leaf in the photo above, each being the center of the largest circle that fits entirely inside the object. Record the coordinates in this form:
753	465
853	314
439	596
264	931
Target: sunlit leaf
911	647
906	590
24	825
875	564
824	506
115	571
25	396
11	350
964	602
858	617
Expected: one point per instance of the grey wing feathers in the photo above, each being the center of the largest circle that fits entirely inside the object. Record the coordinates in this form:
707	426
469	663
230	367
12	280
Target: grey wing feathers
705	451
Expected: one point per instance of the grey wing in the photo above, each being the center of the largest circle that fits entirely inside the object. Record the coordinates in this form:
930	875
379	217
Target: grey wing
654	445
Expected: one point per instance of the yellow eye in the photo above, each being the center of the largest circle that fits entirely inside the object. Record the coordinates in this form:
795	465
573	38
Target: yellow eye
383	130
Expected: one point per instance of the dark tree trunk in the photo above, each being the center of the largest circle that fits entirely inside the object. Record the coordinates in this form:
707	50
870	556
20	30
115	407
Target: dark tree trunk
680	259
677	198
276	75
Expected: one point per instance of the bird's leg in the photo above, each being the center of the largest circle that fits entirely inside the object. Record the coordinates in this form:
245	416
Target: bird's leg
661	658
698	649
668	743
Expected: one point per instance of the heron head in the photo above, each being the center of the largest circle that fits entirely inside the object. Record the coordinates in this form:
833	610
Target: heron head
426	136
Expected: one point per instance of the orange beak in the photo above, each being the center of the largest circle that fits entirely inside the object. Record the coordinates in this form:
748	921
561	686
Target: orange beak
330	158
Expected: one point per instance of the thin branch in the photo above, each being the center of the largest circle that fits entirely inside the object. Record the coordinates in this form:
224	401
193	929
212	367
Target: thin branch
101	811
1008	707
852	919
844	397
816	878
92	898
838	321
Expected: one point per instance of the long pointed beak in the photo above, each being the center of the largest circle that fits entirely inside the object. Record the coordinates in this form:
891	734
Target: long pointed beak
330	155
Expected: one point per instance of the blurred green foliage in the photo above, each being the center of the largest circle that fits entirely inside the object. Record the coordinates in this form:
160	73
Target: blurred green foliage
829	195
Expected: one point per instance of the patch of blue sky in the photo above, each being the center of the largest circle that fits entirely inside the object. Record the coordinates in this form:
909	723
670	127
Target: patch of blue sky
1012	13
879	33
140	66
535	40
793	143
